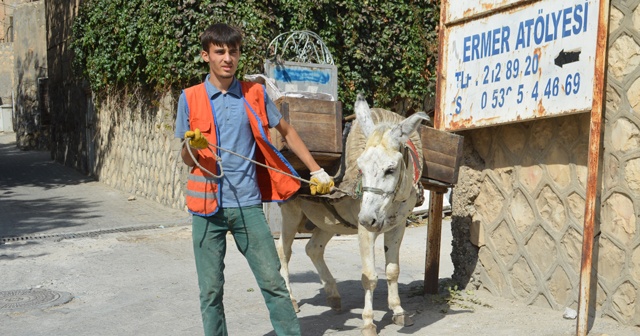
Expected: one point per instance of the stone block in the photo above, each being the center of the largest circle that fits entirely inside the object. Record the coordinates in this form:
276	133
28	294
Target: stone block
504	243
522	279
551	208
542	250
611	261
625	135
619	218
490	201
625	302
624	57
560	286
521	212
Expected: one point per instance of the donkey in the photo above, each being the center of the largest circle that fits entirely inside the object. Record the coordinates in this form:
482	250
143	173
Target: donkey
383	165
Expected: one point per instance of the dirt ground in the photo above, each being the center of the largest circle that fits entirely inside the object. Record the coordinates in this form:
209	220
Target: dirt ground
143	283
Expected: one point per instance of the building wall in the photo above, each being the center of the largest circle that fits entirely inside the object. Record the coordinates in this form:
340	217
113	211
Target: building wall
30	64
7	8
6	72
518	210
68	96
7	59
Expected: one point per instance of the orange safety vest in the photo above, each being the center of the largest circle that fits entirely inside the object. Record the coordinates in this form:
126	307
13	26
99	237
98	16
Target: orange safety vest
202	189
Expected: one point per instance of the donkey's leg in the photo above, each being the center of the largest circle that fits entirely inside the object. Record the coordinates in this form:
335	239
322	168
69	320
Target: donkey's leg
315	250
392	241
292	216
366	241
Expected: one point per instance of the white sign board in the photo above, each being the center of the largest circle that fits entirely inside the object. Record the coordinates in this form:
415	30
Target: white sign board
520	63
458	10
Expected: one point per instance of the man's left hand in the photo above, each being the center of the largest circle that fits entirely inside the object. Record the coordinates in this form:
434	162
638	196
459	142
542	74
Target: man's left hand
323	182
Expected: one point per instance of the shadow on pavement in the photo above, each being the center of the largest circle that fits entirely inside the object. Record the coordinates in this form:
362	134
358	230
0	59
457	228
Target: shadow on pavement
26	202
34	168
329	322
40	198
21	219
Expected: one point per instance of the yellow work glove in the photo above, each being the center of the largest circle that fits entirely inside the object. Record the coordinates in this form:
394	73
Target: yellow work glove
197	140
323	182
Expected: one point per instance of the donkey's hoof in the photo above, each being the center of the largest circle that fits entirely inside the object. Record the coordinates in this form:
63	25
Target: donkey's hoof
335	303
369	331
295	306
403	320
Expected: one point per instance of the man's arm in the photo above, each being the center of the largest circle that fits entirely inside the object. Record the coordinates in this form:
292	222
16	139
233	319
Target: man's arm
321	182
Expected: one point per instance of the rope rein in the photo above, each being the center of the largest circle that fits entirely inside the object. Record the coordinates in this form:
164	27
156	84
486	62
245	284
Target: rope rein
193	157
189	149
358	188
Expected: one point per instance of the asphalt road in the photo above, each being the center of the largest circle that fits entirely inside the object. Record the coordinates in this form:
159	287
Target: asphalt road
79	258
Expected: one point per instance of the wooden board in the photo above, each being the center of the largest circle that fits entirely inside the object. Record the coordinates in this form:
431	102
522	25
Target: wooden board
442	155
318	122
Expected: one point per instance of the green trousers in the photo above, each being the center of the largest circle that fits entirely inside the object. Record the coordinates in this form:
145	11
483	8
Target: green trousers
254	240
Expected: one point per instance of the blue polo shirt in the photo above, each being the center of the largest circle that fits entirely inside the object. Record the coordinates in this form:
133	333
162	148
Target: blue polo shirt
239	185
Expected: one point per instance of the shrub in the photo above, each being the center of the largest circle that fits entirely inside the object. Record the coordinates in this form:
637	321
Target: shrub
385	49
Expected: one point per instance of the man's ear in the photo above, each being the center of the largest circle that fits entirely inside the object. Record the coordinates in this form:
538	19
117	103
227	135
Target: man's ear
204	55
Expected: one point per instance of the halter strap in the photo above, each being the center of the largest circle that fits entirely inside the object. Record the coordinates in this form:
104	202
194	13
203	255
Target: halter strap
403	168
379	191
415	159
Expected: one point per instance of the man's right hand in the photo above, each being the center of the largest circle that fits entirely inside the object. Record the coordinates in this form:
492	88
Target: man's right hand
196	139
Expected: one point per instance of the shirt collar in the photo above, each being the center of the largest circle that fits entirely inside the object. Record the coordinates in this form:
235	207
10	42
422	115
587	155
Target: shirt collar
213	91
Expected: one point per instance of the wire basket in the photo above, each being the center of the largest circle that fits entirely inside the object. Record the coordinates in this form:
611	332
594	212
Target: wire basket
299	46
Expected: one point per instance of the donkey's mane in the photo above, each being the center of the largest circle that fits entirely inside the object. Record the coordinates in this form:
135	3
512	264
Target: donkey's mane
356	143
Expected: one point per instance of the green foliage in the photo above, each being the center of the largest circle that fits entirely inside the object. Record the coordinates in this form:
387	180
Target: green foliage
387	50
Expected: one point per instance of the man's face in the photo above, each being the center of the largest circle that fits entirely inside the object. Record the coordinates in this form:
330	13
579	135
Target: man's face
223	60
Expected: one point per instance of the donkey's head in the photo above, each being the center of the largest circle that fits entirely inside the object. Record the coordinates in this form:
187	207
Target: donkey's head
387	183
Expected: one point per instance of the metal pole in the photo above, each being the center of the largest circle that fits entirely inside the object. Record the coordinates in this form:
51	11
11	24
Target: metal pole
593	163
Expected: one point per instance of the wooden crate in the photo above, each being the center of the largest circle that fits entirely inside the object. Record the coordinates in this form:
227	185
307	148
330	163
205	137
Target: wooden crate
442	156
319	124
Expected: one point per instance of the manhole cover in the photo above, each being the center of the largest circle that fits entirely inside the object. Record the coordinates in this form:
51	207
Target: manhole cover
26	299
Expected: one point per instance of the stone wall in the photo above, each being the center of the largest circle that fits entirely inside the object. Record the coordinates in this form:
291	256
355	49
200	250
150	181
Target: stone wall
518	210
136	150
30	124
521	197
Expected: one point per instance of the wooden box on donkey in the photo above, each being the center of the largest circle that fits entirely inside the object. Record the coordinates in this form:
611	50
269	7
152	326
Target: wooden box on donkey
319	124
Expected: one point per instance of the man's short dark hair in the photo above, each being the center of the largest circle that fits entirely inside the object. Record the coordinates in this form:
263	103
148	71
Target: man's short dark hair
221	34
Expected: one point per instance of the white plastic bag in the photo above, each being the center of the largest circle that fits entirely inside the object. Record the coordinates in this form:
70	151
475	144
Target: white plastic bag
272	90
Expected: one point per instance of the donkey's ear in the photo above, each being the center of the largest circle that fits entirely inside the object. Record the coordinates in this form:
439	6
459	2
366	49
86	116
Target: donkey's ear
363	115
399	134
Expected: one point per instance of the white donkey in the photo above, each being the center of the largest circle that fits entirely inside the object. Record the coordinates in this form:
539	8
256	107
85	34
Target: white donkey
382	170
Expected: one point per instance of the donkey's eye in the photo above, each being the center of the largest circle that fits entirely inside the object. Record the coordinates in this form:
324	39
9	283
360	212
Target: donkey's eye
389	171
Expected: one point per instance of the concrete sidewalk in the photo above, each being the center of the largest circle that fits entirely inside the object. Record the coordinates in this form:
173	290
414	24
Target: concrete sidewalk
41	198
77	258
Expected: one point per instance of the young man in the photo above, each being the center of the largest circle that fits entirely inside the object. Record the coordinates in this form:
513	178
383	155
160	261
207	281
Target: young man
236	115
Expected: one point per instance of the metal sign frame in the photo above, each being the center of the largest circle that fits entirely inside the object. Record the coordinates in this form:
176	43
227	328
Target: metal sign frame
506	61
